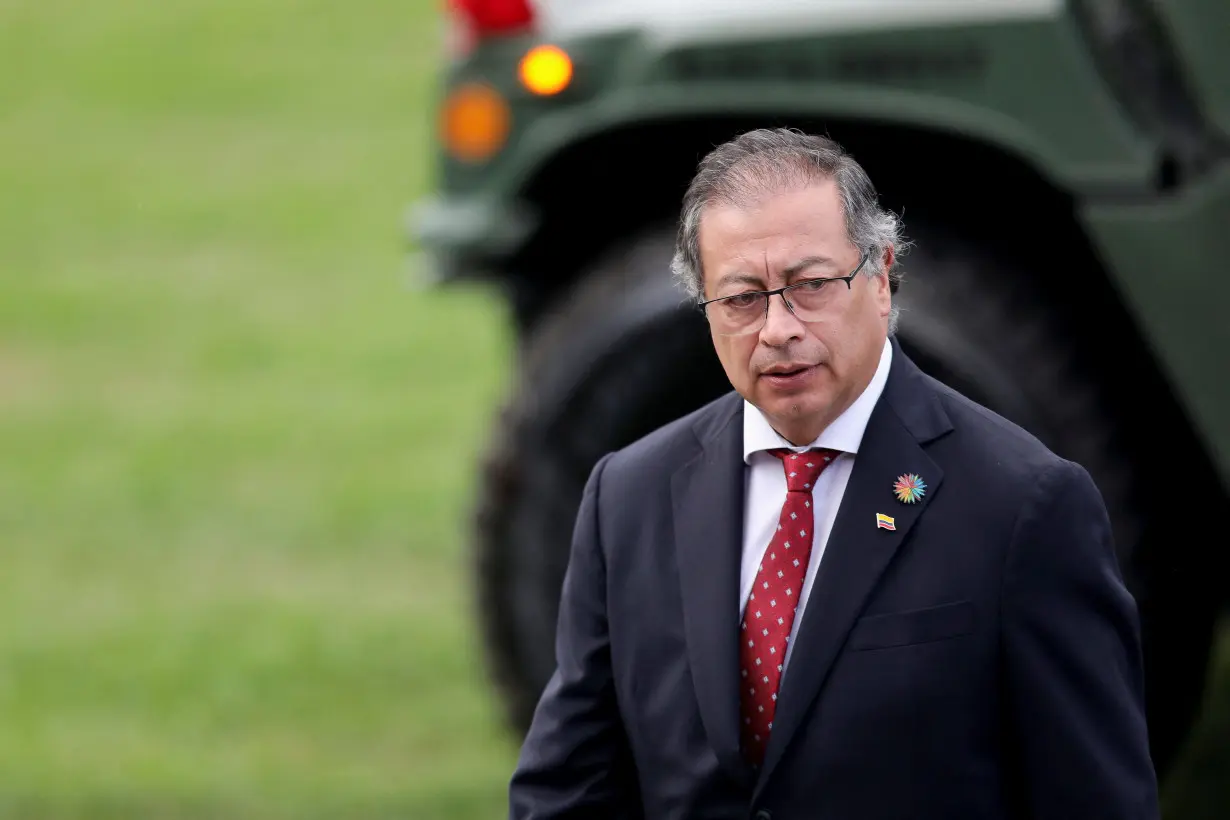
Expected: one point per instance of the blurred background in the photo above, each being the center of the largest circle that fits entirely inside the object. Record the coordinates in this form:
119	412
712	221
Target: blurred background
265	549
235	445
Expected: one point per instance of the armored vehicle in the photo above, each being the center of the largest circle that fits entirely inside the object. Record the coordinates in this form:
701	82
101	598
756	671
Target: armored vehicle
1063	171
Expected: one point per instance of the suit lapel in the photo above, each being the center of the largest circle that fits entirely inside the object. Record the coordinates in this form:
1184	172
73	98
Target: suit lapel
707	496
858	551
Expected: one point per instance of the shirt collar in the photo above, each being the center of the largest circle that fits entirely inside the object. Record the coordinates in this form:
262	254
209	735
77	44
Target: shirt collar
844	434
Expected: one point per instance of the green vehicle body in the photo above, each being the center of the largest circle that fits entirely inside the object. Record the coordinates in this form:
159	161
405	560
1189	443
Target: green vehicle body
1032	89
1106	122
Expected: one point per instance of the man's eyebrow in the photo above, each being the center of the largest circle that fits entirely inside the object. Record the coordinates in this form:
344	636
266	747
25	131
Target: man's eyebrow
804	263
745	278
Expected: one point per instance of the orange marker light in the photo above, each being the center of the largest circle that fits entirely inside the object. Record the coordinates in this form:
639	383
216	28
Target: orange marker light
474	122
546	70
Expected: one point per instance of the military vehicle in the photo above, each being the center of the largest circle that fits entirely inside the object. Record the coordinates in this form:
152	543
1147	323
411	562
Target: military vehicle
1062	171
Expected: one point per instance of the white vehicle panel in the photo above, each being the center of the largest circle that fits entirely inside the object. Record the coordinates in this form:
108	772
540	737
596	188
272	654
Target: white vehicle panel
718	19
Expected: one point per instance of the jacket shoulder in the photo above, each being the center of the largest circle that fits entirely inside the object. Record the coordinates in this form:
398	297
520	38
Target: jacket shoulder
1003	447
659	452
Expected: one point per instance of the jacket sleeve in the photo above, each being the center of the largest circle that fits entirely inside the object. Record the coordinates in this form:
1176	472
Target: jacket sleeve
1072	659
575	761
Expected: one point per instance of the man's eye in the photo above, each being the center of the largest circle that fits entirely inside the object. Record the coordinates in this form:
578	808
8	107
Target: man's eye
811	285
743	300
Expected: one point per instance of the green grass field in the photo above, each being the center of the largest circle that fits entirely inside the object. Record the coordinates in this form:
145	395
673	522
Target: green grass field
236	451
236	448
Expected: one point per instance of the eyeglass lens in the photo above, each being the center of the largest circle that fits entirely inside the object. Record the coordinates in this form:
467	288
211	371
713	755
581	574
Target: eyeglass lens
746	313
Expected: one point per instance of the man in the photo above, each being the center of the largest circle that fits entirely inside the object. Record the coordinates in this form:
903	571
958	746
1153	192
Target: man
843	590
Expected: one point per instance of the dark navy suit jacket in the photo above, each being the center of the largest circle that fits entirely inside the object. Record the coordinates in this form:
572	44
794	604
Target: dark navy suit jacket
980	661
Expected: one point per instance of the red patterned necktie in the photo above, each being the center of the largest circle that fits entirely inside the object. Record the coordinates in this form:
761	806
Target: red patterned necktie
769	613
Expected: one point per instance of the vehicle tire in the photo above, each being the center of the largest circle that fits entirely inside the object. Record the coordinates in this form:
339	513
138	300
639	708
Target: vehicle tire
595	375
593	380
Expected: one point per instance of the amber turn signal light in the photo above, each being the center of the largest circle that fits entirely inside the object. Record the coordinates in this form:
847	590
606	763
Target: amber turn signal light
474	122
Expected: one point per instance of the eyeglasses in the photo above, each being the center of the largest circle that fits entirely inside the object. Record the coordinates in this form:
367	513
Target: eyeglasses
810	300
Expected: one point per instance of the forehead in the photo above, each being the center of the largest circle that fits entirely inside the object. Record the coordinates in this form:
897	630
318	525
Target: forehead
773	229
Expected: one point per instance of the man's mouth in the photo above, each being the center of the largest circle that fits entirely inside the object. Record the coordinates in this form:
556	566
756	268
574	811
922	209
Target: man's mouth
786	371
791	377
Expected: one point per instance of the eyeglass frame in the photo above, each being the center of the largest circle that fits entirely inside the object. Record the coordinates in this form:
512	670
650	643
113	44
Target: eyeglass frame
769	294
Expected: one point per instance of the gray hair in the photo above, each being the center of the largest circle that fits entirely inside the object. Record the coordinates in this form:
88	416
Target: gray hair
767	161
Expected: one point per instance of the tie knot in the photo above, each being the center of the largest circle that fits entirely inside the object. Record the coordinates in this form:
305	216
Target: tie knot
802	469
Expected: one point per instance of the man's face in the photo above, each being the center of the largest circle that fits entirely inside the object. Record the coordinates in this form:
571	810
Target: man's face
801	375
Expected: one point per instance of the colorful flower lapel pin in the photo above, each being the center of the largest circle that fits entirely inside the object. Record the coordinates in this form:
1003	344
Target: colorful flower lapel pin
909	488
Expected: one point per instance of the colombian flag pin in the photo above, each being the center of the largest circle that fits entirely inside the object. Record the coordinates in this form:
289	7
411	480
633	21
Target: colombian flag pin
884	522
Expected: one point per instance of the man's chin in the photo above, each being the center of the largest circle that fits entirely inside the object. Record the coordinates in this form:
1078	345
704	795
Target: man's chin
796	411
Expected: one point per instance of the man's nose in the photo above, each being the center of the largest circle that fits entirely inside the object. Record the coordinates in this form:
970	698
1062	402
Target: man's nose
780	325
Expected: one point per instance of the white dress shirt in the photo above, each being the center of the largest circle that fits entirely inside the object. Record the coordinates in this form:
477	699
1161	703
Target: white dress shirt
766	484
